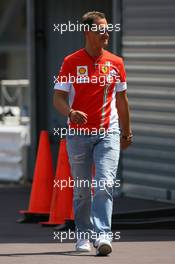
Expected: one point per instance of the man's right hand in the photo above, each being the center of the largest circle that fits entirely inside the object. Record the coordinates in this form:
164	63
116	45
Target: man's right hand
78	117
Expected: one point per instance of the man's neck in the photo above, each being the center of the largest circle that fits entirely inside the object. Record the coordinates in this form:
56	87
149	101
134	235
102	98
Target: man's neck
93	52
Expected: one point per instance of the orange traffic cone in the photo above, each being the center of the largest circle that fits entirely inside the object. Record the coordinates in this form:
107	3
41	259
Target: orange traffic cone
41	193
62	198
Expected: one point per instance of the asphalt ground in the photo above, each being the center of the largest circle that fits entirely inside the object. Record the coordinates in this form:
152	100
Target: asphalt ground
32	243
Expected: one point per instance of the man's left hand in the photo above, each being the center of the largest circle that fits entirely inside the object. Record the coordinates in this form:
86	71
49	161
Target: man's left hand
125	141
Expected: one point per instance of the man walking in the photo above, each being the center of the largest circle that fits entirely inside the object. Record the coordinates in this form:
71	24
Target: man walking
94	102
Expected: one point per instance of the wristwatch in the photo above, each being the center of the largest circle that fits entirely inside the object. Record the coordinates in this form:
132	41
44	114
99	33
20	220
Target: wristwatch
127	138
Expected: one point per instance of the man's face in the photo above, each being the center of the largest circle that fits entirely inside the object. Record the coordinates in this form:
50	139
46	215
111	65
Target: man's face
99	38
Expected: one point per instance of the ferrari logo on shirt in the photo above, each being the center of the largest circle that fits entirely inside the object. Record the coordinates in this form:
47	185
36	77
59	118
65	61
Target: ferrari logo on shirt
82	70
104	69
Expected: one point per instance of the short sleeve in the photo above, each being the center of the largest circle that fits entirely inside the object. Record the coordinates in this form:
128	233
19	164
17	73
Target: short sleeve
122	85
62	81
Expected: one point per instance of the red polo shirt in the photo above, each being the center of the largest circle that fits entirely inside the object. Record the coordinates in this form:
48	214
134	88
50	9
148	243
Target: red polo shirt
92	84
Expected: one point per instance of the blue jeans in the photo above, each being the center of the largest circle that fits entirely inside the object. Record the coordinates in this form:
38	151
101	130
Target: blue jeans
93	213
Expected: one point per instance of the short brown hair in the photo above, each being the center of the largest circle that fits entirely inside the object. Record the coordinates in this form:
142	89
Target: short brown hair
89	17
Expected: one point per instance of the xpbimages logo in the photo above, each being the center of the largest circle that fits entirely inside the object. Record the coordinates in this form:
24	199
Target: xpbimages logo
81	183
61	28
71	235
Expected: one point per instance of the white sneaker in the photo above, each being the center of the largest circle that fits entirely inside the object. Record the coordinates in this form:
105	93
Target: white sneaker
83	245
103	247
